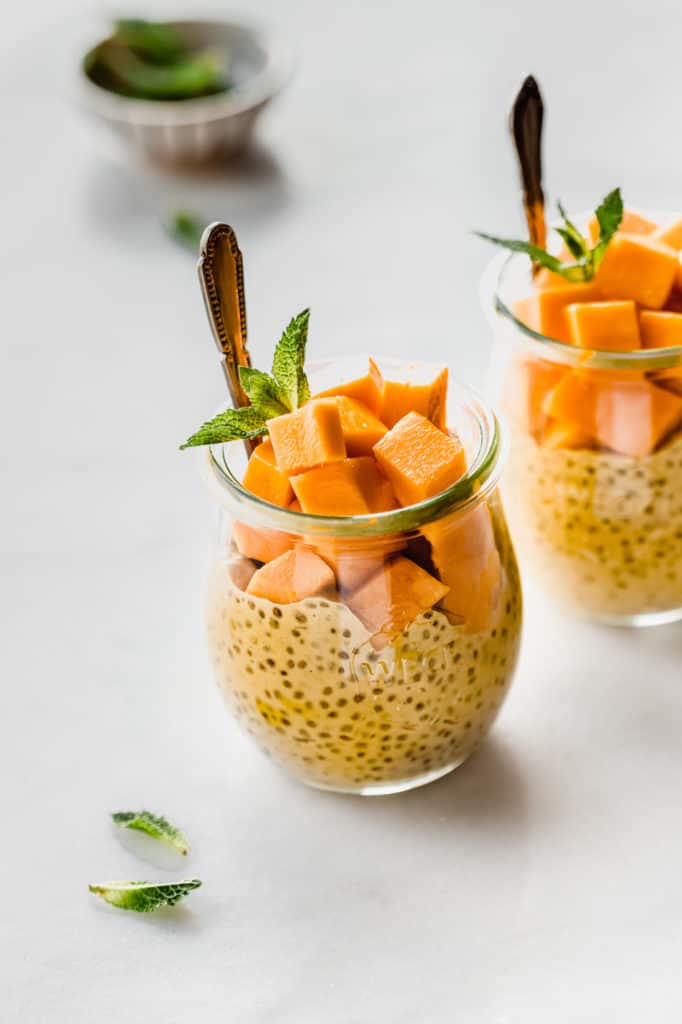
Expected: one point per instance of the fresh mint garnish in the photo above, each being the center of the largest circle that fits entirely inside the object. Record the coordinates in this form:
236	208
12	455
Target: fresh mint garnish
587	258
270	394
143	897
231	425
288	362
153	825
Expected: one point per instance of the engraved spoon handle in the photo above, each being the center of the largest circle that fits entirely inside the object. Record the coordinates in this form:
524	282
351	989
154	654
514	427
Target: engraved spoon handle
526	125
221	275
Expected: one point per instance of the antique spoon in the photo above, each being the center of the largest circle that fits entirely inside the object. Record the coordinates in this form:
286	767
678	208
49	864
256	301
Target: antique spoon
526	126
221	276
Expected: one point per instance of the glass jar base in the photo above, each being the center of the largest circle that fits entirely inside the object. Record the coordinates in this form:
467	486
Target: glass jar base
388	788
640	621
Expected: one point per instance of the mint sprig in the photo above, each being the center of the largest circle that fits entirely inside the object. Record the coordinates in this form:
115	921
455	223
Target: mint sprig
143	897
153	825
587	258
283	390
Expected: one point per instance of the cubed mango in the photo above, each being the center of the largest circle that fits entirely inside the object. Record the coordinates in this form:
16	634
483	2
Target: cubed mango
418	459
604	326
308	437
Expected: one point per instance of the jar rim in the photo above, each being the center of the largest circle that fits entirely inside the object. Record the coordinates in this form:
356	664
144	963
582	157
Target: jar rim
561	351
479	480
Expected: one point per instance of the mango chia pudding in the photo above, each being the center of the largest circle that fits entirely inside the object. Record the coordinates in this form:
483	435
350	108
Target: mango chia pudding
364	605
588	367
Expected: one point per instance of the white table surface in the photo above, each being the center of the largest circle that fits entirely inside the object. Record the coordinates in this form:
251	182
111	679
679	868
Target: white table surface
542	881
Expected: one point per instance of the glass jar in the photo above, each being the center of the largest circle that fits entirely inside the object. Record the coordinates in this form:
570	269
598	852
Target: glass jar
392	674
595	498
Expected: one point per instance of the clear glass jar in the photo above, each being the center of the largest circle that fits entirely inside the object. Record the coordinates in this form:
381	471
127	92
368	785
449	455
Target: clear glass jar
371	686
595	508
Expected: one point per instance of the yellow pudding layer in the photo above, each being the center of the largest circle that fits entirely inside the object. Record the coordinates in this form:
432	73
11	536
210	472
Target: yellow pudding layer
305	681
602	532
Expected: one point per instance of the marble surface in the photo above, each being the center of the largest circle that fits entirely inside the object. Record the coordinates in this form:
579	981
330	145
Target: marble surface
541	882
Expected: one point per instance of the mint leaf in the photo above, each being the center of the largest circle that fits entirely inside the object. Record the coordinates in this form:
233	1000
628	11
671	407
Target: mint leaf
288	361
262	391
154	826
609	215
143	896
231	425
185	228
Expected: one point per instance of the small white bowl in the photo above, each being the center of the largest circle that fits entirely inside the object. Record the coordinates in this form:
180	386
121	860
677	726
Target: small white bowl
197	130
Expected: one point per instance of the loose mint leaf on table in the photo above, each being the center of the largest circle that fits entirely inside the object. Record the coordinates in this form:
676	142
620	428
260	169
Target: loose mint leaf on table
587	258
185	228
143	897
262	391
153	825
231	425
288	362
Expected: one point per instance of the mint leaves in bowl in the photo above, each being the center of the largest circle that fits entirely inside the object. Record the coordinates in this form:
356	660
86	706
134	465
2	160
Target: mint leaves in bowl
182	92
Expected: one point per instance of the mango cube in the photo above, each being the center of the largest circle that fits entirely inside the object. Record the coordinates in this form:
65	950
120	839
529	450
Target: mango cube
660	329
671	234
638	268
422	388
622	411
362	389
418	459
632	224
259	543
308	437
545	312
604	326
391	599
361	428
293	576
264	478
464	552
354	487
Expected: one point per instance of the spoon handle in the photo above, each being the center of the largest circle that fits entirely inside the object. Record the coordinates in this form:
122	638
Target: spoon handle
221	275
526	124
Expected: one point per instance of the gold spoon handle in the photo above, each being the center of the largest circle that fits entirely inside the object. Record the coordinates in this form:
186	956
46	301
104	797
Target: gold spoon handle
221	275
526	124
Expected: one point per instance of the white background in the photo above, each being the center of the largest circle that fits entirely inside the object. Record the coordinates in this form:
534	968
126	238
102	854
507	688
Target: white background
540	883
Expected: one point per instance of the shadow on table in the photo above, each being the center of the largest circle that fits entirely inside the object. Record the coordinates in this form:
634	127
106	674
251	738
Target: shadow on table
126	200
487	791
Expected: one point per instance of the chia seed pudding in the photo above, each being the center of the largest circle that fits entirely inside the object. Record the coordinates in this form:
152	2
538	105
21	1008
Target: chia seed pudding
307	684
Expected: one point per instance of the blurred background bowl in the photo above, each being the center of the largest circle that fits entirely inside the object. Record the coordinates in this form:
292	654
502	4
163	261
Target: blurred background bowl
196	131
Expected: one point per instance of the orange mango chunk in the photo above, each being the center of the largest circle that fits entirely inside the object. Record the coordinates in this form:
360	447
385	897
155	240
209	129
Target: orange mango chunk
663	330
465	554
262	477
308	437
354	487
528	385
637	268
622	411
670	234
423	389
293	576
418	459
660	329
605	326
361	428
362	389
632	224
545	312
390	600
259	543
558	435
355	559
